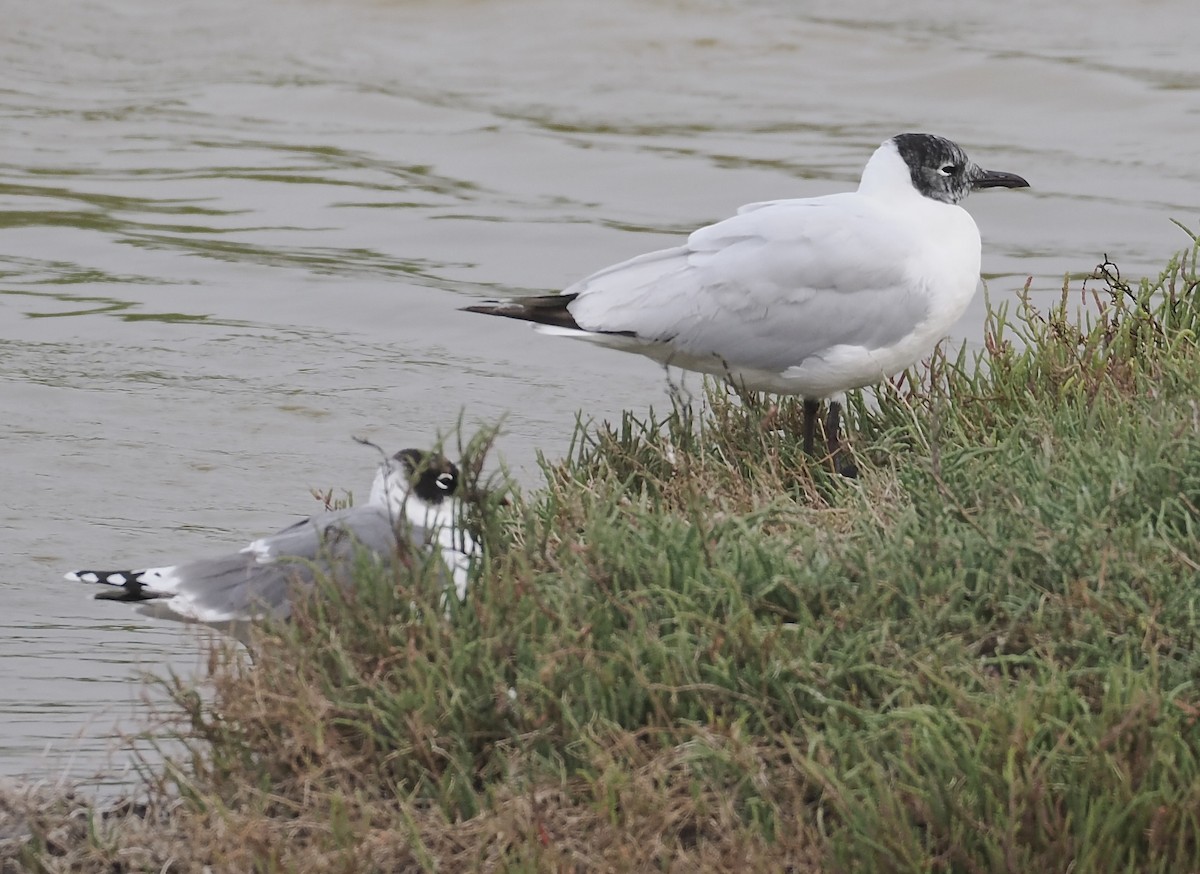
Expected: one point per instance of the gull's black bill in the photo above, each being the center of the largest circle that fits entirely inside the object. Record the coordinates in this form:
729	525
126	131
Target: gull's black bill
998	179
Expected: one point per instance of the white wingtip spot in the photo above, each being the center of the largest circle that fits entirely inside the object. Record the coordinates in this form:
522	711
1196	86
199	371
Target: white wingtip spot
89	578
260	549
116	579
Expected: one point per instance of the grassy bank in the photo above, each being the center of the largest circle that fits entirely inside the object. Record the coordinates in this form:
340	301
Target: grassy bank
694	648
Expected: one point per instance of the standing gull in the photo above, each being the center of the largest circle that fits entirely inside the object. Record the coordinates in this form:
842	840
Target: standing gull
412	507
807	297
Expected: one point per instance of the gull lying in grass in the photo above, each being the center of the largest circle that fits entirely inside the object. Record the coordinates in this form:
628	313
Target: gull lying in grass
412	508
808	297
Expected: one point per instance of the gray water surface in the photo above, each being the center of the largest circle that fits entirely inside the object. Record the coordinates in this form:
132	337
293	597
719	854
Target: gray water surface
233	234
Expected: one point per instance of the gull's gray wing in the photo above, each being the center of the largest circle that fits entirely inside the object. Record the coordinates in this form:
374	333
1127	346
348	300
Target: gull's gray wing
260	579
767	288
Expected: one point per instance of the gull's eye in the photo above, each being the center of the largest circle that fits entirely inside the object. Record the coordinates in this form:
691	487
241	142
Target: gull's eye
445	481
948	169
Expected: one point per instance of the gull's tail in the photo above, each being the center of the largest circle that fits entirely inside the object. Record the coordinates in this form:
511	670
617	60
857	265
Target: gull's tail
547	309
130	585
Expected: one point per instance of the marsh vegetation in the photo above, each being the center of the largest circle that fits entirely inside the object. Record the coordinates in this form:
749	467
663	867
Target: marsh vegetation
694	648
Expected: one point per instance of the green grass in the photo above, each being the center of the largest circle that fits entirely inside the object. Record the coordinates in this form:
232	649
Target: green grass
695	648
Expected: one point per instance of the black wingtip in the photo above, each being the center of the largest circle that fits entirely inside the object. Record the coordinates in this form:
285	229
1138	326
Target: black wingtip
126	585
549	309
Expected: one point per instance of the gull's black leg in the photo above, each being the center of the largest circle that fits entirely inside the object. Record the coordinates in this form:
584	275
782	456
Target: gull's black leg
810	424
833	428
833	440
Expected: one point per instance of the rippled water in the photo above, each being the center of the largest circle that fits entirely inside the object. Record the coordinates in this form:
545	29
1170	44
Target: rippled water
232	235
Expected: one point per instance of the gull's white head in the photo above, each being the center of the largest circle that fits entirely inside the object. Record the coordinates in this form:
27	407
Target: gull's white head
930	166
421	488
412	480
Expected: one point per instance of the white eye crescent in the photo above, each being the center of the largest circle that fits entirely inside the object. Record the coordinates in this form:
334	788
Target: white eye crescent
948	169
445	481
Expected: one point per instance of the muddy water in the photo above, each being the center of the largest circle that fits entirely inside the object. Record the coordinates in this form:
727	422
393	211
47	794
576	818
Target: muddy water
232	235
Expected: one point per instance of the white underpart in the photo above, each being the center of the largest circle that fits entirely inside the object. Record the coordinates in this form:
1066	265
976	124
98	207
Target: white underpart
807	296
